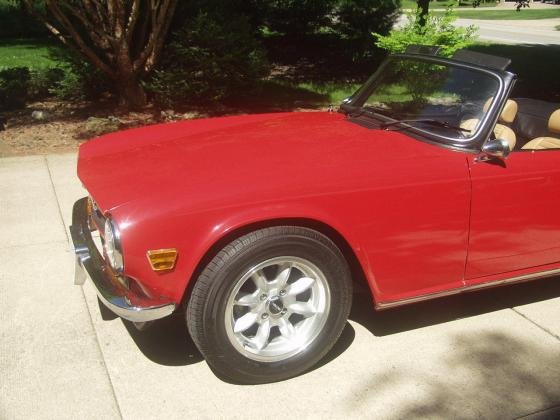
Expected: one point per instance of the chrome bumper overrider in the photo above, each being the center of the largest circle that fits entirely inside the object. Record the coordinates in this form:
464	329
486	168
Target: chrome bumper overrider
90	264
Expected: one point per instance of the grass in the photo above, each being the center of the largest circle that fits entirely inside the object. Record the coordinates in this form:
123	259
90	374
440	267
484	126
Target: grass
30	53
526	14
333	93
536	66
412	4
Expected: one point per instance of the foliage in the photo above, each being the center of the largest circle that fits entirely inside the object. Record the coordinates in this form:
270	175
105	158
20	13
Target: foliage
210	58
122	39
357	19
15	23
439	30
43	81
13	87
80	79
297	17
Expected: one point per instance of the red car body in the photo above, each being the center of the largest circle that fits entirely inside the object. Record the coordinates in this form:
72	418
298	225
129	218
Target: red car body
420	220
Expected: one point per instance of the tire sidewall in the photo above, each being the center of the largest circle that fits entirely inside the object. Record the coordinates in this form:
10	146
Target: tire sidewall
328	259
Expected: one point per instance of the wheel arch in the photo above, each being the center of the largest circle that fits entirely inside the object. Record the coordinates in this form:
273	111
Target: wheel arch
358	271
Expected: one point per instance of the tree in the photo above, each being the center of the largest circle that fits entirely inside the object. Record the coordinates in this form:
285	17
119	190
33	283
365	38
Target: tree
121	38
423	10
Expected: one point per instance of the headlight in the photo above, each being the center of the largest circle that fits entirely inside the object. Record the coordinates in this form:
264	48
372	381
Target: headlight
112	246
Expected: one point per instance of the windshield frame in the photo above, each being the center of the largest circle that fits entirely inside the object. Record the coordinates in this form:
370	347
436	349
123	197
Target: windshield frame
505	81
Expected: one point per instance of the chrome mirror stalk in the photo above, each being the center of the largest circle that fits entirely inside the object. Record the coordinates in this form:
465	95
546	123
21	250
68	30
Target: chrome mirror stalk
496	148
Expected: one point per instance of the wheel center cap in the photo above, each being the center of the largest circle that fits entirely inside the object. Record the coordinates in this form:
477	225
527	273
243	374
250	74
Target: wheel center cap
275	306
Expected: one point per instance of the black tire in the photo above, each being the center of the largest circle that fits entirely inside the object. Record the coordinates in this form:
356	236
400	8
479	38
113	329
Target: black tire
206	308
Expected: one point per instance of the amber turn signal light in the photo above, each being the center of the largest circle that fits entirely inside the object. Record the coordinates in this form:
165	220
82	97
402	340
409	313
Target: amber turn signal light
162	259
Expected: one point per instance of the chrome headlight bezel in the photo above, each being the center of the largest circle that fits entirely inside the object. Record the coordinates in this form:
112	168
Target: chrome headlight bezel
112	245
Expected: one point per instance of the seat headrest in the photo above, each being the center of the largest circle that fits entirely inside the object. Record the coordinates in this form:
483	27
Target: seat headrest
508	113
554	122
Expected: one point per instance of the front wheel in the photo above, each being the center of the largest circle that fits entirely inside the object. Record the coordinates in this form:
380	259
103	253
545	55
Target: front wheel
270	304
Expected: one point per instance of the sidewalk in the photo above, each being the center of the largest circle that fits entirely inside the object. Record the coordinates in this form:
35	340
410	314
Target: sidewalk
493	354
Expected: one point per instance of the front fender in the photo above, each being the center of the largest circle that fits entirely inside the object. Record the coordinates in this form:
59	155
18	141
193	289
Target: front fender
195	236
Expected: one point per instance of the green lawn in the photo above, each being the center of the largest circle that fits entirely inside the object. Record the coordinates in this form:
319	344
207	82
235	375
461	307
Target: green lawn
525	14
412	4
30	53
333	93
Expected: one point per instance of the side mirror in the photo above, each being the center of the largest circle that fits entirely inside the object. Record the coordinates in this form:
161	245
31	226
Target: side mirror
497	148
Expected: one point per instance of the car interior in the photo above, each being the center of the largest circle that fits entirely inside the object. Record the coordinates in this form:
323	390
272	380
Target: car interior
526	124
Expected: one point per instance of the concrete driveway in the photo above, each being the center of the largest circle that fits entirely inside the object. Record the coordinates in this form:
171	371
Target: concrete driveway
493	354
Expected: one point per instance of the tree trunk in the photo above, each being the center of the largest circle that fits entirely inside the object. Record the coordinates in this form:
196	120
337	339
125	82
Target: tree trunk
131	93
423	6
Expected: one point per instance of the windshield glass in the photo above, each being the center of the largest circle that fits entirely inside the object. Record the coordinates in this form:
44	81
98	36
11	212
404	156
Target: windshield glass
441	99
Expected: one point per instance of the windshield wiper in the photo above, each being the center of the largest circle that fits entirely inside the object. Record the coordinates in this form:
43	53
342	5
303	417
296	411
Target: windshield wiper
437	123
367	110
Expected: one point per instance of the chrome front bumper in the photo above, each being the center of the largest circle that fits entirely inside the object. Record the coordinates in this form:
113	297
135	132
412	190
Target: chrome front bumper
90	264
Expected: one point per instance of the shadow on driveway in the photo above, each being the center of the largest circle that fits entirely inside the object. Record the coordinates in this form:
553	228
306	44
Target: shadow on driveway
448	309
168	342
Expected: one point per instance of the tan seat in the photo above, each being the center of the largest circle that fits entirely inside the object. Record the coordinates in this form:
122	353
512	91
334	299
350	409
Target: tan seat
541	143
501	131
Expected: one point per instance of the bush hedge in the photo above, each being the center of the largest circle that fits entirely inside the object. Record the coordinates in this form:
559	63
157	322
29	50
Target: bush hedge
210	58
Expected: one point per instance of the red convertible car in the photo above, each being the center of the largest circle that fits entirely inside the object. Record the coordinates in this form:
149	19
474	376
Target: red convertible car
430	181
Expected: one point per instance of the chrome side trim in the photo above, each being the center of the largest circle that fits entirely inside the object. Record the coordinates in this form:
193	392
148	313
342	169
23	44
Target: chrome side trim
90	264
466	289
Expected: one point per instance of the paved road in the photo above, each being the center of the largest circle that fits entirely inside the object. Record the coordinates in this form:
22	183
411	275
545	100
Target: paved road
540	32
494	354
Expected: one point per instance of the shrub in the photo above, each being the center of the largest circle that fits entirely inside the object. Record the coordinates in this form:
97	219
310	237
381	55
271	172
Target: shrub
19	84
80	79
42	81
295	17
16	23
208	60
439	30
357	19
14	87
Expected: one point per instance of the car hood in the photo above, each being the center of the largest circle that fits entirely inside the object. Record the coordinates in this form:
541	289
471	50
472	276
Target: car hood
223	161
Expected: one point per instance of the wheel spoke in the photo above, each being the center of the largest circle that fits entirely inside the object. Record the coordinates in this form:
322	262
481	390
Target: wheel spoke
283	275
287	329
245	322
277	307
260	281
303	308
250	300
261	338
300	285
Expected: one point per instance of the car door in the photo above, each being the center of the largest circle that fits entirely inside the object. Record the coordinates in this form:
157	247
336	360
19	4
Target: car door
515	215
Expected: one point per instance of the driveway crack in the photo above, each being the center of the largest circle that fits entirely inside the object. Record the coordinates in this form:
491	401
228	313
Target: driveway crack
521	314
